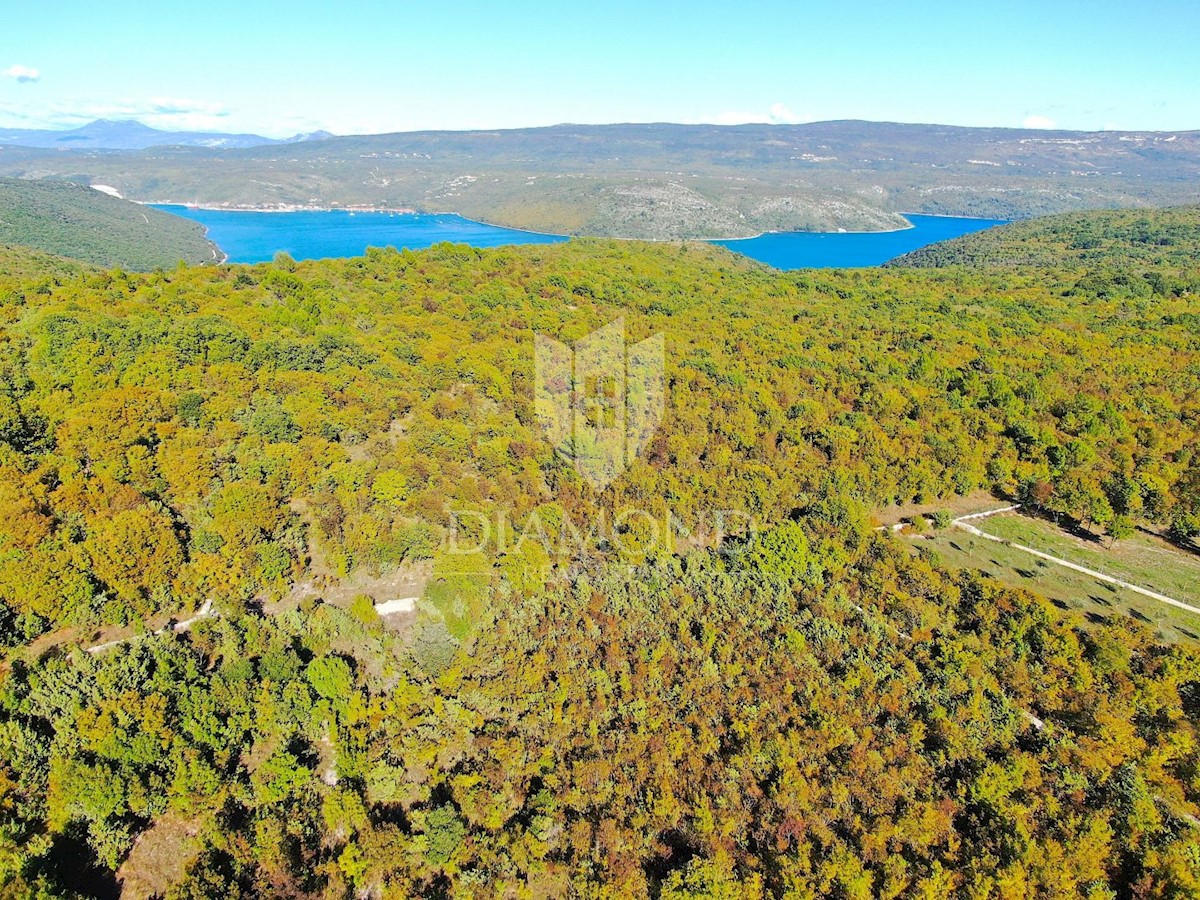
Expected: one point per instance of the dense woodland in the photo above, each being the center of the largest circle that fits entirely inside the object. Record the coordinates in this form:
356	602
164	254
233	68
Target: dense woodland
790	705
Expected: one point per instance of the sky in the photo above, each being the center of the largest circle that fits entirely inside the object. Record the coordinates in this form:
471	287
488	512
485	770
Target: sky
357	66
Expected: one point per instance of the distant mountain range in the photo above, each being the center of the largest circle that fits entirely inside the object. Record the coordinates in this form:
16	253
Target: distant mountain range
127	134
656	181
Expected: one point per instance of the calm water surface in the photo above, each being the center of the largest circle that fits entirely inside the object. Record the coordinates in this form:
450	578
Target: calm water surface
826	250
250	237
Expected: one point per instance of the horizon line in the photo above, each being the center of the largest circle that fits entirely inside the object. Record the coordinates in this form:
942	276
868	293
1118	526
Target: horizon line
622	124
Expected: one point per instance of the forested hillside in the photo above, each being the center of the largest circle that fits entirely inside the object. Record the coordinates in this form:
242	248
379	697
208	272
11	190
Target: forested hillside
1163	240
773	700
75	221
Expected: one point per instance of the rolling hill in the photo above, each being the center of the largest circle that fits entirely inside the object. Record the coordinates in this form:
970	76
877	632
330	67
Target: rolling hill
662	181
75	221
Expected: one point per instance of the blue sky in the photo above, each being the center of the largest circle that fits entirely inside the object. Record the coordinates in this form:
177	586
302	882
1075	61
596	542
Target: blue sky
358	66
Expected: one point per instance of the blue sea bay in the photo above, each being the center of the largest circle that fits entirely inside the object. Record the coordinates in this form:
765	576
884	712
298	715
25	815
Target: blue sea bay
824	250
253	236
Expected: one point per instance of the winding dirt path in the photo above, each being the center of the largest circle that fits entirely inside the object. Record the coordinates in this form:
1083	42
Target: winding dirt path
202	613
964	523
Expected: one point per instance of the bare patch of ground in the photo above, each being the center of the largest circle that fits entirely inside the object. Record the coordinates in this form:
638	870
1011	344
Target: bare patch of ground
406	580
159	858
976	501
322	583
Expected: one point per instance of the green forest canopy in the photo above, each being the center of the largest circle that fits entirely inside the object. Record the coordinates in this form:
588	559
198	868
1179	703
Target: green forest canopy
1165	240
803	709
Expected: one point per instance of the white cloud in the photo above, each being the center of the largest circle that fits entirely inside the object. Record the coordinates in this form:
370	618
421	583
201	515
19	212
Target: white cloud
784	116
23	74
777	114
1039	122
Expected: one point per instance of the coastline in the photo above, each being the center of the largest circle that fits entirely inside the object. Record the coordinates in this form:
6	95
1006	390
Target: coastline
905	215
398	210
284	208
215	247
673	240
752	237
287	208
565	237
703	240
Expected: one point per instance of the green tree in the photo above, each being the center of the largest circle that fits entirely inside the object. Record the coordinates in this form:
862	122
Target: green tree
1120	528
